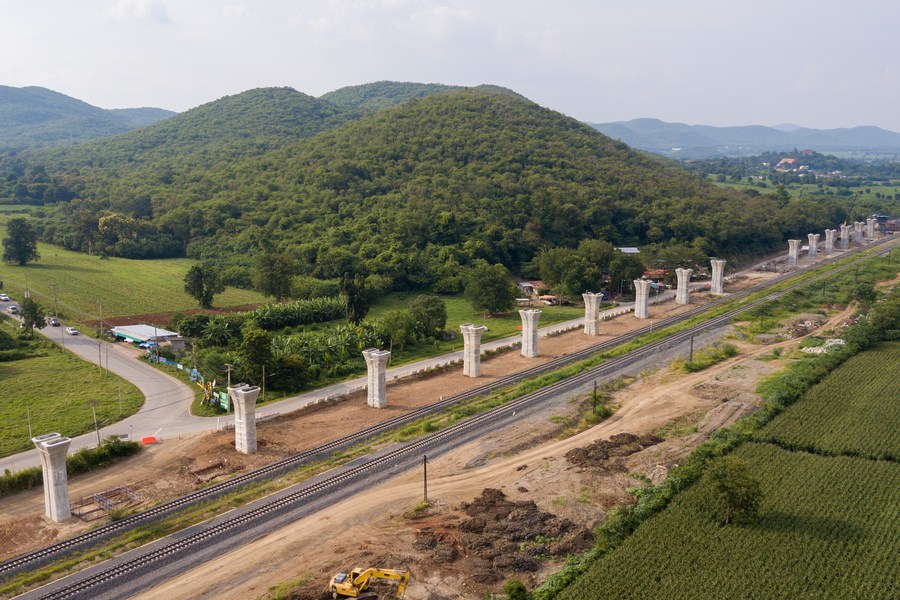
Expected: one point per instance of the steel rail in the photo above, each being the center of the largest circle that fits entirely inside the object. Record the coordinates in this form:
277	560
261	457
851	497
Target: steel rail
55	551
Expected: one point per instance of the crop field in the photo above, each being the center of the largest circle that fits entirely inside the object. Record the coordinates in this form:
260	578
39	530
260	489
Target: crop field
855	411
829	528
829	524
124	287
37	387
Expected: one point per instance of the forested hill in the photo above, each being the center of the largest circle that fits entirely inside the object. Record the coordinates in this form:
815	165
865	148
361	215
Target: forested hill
415	194
232	127
372	97
32	117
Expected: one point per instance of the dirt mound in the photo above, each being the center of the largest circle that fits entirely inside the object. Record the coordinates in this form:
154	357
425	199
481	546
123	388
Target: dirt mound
600	453
502	536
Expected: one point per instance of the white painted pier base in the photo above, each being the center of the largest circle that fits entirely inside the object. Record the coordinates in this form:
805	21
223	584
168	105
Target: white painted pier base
641	298
793	252
376	362
530	319
683	291
813	245
53	449
592	313
472	348
717	286
243	397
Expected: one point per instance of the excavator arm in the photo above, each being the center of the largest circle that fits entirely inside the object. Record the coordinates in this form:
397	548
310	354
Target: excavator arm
357	581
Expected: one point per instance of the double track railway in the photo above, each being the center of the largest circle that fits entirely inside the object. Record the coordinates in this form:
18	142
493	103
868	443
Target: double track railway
378	467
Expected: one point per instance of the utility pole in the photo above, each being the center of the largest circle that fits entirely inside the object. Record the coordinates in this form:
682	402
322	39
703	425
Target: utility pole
594	397
228	370
100	339
425	472
264	384
96	427
28	412
691	355
120	394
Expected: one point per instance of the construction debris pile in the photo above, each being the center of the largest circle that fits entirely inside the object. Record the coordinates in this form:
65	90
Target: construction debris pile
609	454
501	536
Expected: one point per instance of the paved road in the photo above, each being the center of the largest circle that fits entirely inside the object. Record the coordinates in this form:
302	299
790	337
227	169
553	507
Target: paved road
166	412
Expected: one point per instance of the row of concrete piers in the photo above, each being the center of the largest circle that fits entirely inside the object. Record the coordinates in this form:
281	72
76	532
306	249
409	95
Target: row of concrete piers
856	233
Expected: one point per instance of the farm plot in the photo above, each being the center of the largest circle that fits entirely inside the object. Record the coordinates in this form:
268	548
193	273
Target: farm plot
855	411
829	527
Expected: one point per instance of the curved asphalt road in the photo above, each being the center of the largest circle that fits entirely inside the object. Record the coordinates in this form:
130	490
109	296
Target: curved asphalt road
166	411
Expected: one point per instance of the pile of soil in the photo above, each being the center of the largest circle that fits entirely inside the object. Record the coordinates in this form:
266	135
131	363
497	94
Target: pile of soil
602	454
502	537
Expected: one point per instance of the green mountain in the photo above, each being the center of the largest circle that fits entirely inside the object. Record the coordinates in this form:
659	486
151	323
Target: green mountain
32	117
372	97
232	127
415	194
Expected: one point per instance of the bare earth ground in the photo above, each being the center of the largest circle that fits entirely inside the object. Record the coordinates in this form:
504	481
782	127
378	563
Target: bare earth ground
446	565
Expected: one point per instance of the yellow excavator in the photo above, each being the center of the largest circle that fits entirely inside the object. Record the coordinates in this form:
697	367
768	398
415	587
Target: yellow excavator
354	583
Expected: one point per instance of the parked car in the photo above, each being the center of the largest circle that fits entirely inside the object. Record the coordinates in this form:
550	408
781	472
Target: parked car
53	321
71	331
13	310
4	298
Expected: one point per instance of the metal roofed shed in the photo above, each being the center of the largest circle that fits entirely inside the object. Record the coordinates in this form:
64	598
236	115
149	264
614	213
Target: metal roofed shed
142	333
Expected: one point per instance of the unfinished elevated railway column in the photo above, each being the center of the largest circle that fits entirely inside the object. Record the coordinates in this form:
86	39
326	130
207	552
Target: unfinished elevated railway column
641	298
472	348
530	319
845	237
813	245
870	229
683	291
592	313
793	252
829	241
244	396
53	449
858	231
376	363
717	286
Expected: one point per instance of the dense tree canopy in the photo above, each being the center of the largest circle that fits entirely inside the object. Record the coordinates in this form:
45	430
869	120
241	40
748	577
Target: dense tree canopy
20	243
408	198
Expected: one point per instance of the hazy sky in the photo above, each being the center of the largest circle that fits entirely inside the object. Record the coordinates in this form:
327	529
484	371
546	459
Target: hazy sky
818	63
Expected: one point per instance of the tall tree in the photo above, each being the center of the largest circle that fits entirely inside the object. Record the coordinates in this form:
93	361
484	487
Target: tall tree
272	273
20	243
429	314
32	316
357	293
736	494
490	288
203	282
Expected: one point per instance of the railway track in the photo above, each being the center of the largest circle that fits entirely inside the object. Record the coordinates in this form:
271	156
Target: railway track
399	456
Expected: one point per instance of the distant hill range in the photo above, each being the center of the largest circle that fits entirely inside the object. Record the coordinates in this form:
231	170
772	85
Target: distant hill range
678	140
33	117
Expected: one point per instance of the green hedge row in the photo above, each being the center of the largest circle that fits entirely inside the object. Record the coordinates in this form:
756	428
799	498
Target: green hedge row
87	459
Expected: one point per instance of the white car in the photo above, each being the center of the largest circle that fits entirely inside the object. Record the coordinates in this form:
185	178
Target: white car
13	310
71	331
53	321
4	298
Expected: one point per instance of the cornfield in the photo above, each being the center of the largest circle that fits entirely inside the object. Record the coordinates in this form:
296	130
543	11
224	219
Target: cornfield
855	411
829	525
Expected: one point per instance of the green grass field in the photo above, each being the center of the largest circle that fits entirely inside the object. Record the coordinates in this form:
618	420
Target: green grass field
57	389
124	287
829	526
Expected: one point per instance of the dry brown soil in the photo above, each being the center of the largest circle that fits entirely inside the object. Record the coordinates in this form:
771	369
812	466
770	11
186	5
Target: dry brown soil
381	529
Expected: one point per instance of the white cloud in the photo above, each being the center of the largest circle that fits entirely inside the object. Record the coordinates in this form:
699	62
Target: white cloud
145	11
